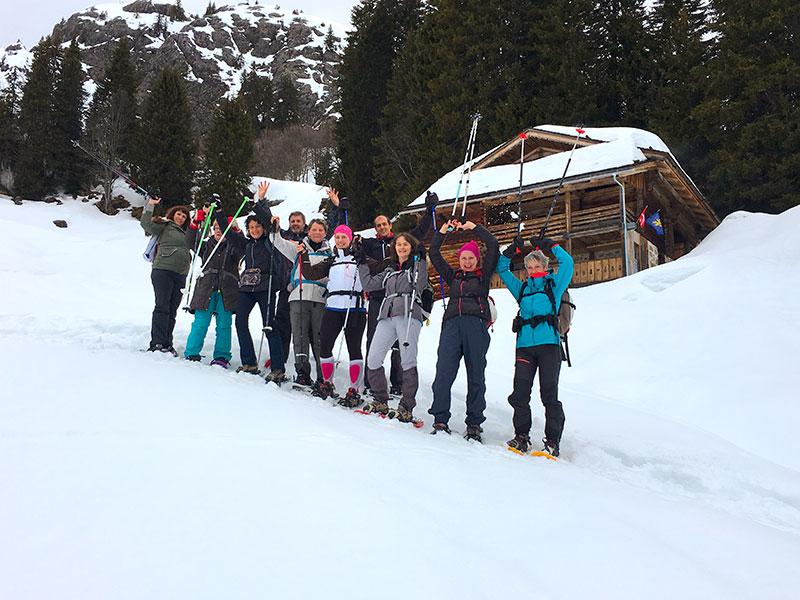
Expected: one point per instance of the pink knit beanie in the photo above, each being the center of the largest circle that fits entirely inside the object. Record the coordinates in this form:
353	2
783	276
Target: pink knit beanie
345	230
471	246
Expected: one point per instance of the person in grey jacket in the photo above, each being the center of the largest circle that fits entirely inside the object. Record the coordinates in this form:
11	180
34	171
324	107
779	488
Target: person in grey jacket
307	296
402	279
170	267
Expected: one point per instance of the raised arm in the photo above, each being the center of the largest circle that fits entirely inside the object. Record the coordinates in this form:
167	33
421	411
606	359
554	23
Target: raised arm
439	263
369	281
146	220
421	229
566	268
510	280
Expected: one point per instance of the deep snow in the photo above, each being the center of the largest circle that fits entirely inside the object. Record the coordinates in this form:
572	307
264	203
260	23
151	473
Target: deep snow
129	475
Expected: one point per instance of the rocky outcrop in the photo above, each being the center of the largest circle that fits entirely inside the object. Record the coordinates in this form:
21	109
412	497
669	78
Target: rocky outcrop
213	50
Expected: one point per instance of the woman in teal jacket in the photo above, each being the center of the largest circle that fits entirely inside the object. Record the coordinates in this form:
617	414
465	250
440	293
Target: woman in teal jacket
538	340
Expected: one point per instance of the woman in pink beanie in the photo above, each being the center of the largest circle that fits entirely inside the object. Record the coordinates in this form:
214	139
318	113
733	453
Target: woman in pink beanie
465	325
344	310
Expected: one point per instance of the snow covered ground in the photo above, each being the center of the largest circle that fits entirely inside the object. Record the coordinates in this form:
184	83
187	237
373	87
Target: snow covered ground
128	475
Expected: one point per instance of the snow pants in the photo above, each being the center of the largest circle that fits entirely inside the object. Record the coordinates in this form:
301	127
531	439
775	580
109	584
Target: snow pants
333	321
247	300
202	320
545	358
306	317
395	369
463	336
283	321
387	335
167	287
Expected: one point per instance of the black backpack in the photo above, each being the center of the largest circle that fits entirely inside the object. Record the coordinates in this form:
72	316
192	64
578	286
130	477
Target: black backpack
561	321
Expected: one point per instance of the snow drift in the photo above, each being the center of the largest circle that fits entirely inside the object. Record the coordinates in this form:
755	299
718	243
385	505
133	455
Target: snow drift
128	475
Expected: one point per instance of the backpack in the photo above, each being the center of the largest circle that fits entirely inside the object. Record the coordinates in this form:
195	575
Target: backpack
561	321
151	250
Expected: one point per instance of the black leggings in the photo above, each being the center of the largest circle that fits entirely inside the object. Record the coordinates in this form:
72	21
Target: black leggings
167	287
546	359
332	324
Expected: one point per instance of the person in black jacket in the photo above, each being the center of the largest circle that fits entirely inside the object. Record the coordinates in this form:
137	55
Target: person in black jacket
465	325
216	293
379	249
259	283
297	232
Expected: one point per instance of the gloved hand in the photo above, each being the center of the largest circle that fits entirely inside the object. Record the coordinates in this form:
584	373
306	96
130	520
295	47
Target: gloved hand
357	248
431	200
542	243
514	248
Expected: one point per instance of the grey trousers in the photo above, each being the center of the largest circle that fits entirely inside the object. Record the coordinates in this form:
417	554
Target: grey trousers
387	333
306	322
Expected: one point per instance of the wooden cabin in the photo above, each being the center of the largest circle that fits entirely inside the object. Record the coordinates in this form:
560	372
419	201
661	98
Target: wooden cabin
611	168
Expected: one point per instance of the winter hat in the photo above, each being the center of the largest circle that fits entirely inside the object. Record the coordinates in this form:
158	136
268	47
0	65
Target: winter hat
471	246
345	230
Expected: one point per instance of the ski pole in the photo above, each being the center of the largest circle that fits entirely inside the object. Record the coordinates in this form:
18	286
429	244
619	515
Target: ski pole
224	233
198	246
302	322
413	297
469	168
580	131
117	172
472	132
522	136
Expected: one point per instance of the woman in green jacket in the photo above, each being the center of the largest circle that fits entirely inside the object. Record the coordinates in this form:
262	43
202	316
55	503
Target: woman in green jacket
170	266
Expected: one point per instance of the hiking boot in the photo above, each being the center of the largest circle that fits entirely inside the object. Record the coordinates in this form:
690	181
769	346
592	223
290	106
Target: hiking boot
169	350
193	358
303	379
251	369
324	390
395	390
277	376
404	415
520	443
440	428
550	447
220	362
473	433
351	399
377	407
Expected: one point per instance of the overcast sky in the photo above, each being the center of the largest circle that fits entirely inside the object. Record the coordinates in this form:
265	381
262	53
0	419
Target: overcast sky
29	20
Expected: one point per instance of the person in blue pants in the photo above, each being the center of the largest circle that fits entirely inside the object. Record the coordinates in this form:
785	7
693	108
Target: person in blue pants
216	292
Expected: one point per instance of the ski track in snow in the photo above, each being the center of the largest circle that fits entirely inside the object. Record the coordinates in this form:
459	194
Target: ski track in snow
79	303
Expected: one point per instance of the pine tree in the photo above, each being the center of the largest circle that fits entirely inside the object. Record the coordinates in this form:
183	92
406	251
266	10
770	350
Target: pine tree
750	113
286	105
10	99
166	148
380	30
680	53
619	75
69	101
35	172
228	155
330	40
111	122
257	99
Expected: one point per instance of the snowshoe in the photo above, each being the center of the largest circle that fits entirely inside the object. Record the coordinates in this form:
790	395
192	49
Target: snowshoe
193	358
251	369
324	390
440	428
402	414
220	362
550	448
278	376
376	406
519	444
474	433
303	379
352	399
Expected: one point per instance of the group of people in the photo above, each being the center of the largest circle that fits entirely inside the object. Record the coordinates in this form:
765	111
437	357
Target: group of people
316	281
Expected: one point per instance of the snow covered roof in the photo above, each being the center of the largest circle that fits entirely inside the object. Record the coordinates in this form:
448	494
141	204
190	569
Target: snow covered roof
609	148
